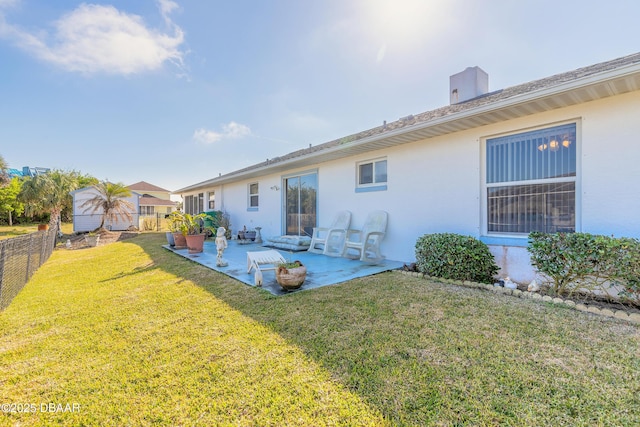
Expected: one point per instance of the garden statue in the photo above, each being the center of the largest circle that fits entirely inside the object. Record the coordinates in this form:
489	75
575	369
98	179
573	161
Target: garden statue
533	286
258	235
221	245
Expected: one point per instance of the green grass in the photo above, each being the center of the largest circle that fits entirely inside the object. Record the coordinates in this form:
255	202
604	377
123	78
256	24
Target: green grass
138	336
7	232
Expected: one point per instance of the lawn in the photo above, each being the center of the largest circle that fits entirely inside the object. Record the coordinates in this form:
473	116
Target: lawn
7	232
130	334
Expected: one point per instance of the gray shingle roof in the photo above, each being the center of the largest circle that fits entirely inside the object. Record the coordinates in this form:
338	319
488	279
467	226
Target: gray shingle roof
145	186
485	99
450	110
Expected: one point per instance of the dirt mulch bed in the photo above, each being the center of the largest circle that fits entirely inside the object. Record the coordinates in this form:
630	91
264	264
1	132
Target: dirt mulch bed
77	241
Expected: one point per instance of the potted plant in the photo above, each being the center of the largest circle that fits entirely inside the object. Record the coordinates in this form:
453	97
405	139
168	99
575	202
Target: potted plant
92	239
195	231
176	223
172	229
291	275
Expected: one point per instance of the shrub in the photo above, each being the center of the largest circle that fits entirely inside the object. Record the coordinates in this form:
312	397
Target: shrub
148	224
453	256
573	261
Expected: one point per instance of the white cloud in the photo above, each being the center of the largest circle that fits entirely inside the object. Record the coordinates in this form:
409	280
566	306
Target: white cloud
231	130
97	38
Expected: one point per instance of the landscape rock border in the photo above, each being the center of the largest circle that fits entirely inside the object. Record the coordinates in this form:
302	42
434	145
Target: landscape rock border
616	314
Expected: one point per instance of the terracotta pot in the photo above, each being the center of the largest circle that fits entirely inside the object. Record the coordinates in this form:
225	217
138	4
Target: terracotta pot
195	243
291	278
180	240
43	227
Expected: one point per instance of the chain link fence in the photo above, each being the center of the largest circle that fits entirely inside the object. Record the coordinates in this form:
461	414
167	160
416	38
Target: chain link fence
144	222
20	257
154	222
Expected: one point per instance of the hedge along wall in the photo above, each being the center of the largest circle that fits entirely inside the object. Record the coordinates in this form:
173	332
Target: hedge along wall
573	262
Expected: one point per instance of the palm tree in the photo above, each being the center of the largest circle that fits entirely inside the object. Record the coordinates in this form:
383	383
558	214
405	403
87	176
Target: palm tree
111	201
48	193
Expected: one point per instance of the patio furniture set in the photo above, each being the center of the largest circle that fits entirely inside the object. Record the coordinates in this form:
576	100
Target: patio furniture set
337	240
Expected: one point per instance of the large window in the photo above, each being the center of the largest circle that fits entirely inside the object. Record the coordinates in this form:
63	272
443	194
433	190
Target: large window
372	174
531	181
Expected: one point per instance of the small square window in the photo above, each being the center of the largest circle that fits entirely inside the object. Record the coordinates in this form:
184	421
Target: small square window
372	174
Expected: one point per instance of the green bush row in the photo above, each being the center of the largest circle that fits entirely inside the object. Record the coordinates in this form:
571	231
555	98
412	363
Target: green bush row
453	256
574	261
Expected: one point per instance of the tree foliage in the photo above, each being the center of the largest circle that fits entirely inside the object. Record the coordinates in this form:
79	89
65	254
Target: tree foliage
49	193
10	205
110	201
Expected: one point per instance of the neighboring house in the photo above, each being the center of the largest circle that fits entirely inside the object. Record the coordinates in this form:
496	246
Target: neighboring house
84	220
153	200
27	172
556	154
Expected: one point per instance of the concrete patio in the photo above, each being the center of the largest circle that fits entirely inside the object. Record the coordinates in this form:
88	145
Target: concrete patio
321	270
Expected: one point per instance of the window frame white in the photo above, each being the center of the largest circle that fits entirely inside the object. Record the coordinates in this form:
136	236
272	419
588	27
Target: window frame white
497	237
251	195
375	184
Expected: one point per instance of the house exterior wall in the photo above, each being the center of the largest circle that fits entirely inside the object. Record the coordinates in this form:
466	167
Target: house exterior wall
84	221
164	195
436	185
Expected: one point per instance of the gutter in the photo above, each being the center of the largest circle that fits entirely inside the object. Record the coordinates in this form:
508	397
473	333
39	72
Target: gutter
591	80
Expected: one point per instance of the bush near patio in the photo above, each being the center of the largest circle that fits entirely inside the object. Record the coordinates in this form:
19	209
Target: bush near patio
575	262
453	256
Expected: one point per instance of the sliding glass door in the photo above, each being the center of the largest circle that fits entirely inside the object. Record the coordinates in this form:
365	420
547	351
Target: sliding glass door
300	204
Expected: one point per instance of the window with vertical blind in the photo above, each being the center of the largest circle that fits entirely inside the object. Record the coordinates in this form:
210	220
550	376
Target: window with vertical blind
194	204
531	181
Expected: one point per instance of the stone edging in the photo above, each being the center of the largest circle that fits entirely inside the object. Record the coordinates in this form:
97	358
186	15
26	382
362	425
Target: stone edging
617	314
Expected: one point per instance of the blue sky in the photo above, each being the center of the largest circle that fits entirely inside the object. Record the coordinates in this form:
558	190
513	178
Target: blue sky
177	92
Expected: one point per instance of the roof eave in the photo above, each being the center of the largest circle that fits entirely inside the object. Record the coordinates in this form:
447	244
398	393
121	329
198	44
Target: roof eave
609	83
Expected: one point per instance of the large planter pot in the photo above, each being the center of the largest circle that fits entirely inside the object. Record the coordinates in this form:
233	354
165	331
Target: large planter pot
291	278
195	243
170	239
92	241
180	241
43	227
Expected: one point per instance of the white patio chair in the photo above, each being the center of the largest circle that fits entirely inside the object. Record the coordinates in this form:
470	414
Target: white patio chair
331	238
366	242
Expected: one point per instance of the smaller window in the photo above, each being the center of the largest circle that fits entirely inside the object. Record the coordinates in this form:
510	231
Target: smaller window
147	210
372	174
253	195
